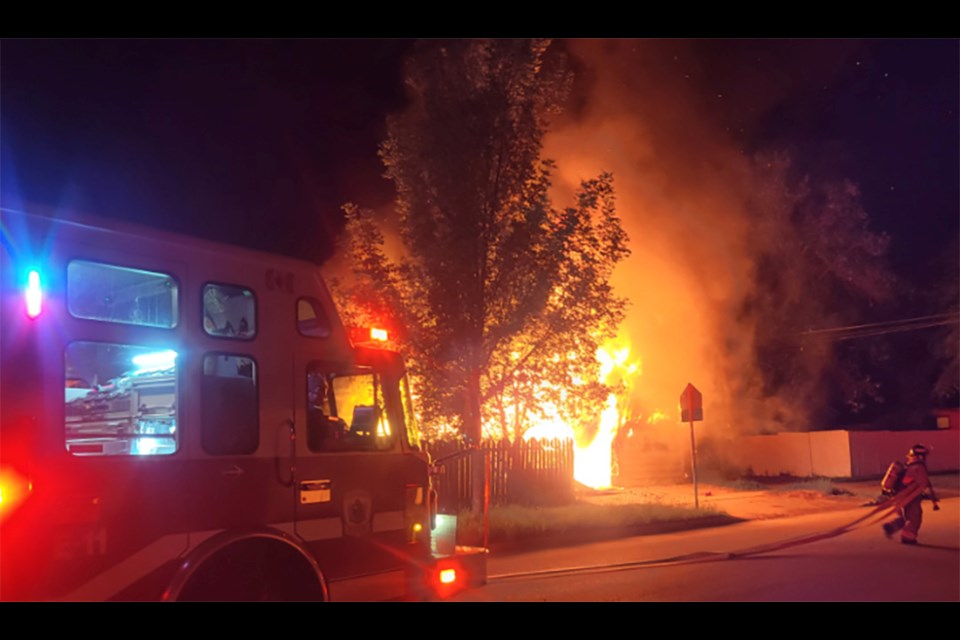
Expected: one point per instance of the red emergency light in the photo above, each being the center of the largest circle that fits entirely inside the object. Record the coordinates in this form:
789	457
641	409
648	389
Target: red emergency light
361	335
447	578
14	489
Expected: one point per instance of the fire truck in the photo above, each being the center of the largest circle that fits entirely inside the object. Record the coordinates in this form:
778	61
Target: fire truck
185	420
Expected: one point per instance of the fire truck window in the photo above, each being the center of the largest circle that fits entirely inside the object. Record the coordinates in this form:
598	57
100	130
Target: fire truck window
325	431
312	320
109	293
346	412
120	400
409	417
229	311
230	415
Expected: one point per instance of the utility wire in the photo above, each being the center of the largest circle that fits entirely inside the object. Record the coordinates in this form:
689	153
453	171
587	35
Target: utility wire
887	327
946	317
880	332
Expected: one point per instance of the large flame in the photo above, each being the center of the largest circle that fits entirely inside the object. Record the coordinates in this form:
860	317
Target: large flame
593	457
593	461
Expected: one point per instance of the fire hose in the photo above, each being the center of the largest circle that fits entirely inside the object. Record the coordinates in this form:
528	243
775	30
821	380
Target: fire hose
873	516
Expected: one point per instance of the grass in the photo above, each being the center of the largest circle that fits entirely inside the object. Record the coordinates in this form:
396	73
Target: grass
515	522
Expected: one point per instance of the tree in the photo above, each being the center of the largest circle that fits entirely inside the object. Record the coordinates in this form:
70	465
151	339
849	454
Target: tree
819	266
500	299
942	296
923	368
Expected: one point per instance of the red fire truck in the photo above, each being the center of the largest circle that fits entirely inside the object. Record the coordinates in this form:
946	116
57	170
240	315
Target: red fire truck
186	420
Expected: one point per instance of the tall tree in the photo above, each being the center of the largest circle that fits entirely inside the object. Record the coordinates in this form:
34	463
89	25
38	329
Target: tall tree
943	295
818	267
500	298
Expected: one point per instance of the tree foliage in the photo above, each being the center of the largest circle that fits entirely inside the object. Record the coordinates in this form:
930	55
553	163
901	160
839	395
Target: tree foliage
499	298
819	266
942	296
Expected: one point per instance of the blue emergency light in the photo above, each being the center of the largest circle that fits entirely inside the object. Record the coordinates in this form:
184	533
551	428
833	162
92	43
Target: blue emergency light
33	295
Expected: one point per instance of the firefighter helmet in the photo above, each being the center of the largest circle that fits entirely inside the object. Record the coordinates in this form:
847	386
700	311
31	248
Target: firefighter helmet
919	451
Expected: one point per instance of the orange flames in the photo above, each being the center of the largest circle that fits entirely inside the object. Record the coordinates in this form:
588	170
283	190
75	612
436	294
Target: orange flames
592	465
593	460
656	416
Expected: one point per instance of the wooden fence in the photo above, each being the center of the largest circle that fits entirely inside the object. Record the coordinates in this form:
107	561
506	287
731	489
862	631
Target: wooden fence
538	472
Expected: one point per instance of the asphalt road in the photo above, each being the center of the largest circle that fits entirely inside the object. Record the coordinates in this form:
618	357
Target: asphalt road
788	559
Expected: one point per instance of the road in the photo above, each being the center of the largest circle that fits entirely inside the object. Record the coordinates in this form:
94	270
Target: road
723	565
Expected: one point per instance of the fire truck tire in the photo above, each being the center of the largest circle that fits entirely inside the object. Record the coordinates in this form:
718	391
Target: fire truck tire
255	569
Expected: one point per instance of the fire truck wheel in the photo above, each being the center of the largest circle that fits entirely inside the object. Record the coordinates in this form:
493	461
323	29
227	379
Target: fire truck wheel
255	570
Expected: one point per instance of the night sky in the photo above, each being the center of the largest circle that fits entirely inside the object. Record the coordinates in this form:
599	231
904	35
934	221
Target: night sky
249	141
259	142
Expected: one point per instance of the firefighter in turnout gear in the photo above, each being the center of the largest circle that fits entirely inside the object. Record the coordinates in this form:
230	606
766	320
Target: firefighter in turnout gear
913	486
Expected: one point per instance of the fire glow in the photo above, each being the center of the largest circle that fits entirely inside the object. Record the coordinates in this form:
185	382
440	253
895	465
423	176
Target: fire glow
593	463
593	456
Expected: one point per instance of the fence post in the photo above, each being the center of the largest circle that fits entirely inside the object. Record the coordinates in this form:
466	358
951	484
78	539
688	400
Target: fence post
486	498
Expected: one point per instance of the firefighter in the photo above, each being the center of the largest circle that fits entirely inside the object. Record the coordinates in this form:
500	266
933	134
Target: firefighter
913	487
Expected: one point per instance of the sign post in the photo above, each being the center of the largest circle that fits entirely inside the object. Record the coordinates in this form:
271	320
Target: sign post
691	409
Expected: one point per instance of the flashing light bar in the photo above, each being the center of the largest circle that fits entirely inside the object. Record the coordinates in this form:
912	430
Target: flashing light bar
33	294
155	361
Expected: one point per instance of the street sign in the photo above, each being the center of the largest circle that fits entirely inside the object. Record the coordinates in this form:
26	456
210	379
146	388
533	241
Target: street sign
691	409
691	404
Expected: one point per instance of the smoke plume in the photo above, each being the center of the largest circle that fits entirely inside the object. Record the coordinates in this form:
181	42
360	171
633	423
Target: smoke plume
646	112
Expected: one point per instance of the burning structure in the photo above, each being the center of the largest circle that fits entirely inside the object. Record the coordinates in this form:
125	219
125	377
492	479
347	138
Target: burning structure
732	253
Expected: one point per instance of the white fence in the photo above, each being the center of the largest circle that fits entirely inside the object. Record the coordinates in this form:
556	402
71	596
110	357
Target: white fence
843	454
662	455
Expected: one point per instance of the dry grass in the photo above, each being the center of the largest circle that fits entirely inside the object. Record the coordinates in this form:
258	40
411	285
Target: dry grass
512	522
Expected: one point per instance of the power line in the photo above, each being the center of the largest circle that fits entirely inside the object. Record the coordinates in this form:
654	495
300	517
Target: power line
887	327
949	315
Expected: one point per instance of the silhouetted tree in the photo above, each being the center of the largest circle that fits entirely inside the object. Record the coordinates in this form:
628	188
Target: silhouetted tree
945	341
819	268
500	300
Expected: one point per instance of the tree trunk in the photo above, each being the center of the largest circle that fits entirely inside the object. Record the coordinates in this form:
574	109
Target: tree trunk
474	431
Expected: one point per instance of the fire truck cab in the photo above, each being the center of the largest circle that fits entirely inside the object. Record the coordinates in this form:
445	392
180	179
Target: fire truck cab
187	420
